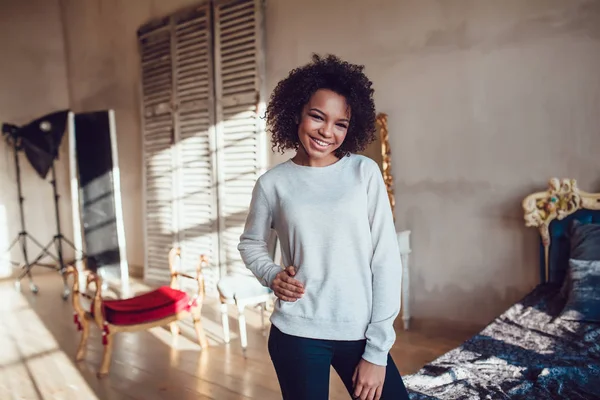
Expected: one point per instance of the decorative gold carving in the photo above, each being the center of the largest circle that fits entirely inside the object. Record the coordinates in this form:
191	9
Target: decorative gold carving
379	151
562	198
382	129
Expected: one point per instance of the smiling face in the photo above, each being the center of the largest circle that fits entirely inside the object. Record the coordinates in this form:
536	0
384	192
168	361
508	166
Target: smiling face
322	128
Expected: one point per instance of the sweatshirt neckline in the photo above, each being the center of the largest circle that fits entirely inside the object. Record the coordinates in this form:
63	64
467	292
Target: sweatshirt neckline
329	167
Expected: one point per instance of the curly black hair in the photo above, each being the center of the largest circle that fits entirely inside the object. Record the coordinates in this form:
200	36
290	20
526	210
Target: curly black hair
293	92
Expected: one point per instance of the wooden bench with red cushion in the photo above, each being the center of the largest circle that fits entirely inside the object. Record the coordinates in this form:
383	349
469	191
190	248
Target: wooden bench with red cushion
163	306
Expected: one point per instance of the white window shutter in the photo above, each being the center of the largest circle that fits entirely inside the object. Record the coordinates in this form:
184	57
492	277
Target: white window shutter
195	138
203	133
158	154
239	77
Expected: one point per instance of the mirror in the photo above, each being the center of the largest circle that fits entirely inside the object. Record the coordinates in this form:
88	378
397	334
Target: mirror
379	151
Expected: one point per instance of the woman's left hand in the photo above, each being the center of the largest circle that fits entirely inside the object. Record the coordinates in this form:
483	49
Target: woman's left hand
368	380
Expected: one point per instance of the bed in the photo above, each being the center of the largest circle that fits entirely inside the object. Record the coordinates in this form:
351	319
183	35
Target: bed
547	345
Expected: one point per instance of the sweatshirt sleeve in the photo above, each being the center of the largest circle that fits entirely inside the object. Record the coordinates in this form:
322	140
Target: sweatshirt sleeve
253	246
386	267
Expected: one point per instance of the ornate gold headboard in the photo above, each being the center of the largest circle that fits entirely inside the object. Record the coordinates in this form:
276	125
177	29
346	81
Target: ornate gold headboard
562	199
379	151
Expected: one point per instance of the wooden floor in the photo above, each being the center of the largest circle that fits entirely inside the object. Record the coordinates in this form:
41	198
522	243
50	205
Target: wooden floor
38	342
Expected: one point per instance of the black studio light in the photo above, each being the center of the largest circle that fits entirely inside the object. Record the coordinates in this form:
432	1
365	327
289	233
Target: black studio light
41	138
40	141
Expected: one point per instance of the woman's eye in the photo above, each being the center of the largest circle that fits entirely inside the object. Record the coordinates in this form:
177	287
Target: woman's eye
343	126
317	117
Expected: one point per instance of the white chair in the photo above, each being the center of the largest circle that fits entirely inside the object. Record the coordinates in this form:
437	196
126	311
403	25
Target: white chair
243	291
405	250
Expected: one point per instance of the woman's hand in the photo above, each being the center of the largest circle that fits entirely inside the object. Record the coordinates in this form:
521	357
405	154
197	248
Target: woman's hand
368	380
287	288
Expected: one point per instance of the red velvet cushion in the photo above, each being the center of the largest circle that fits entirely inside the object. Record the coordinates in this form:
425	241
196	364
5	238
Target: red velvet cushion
157	304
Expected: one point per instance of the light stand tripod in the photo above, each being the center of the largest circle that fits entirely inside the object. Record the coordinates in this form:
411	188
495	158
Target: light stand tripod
23	234
57	241
40	141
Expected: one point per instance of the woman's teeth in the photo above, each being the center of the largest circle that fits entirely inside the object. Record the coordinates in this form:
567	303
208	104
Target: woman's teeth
320	142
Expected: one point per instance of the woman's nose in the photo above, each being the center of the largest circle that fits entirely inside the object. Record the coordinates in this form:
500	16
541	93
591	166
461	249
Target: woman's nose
326	131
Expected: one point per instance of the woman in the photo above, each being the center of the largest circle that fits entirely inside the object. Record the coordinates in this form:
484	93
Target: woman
340	294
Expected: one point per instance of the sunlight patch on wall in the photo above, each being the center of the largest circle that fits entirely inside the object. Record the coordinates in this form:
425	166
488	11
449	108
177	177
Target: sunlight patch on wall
242	156
198	188
5	265
159	190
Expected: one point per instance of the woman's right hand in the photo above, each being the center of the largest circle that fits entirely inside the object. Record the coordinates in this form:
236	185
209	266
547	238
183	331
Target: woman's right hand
286	287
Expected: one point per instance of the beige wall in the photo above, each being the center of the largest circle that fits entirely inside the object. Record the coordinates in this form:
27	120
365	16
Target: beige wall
486	101
103	65
33	83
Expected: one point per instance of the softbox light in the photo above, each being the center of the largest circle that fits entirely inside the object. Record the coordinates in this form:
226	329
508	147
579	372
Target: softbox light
41	138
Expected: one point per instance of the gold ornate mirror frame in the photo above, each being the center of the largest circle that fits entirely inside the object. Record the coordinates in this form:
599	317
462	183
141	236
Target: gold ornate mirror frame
379	150
561	199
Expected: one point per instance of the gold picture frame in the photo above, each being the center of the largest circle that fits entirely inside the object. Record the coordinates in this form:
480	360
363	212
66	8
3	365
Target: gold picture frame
379	151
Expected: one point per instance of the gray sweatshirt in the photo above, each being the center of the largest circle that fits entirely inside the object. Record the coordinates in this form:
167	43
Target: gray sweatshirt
335	226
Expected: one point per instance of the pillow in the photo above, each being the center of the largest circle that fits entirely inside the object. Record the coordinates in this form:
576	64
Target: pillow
585	241
583	303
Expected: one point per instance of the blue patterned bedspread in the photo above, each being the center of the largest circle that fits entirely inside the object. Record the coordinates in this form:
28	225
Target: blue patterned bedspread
528	352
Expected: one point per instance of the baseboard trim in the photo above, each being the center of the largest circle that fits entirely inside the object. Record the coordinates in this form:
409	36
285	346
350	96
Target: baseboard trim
443	327
136	271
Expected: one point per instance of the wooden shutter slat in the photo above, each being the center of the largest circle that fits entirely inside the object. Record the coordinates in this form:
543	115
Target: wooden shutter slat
198	80
155	62
183	25
241	57
196	114
236	44
239	83
156	51
228	7
162	71
232	20
152	82
157	98
190	38
159	121
239	31
194	95
157	90
245	48
191	64
190	49
157	137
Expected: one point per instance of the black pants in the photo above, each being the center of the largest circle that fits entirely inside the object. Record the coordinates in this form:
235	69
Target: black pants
303	366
